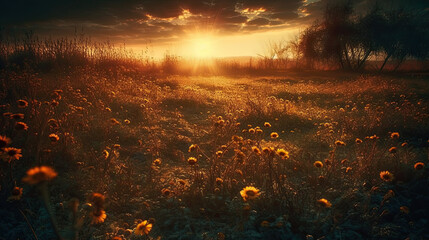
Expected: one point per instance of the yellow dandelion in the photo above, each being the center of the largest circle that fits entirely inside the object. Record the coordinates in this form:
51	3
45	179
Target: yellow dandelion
256	150
267	150
16	194
98	216
22	103
54	137
393	150
219	181
274	135
358	141
267	124
419	166
324	203
192	148
192	161
249	193
21	126
386	176
126	121
13	153
219	153
40	174
318	164
105	154
394	135
157	162
143	228
259	131
251	130
4	141
283	153
340	143
113	121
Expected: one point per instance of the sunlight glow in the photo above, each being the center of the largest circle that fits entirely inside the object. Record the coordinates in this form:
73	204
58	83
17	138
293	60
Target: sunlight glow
202	47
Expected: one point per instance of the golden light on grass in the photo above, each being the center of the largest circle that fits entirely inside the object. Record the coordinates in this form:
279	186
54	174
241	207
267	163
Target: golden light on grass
143	228
249	193
40	174
386	176
324	203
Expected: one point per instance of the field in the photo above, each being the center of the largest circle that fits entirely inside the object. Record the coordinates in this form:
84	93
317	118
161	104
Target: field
133	154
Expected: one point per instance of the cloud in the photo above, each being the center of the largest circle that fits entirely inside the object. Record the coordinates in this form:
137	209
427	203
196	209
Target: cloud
161	20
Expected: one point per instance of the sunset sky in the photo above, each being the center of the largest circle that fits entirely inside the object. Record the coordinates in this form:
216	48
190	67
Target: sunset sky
207	28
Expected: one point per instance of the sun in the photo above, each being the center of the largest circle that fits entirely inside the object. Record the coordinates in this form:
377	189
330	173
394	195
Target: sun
202	47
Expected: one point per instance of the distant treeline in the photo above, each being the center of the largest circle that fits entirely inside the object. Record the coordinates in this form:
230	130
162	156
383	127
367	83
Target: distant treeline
345	40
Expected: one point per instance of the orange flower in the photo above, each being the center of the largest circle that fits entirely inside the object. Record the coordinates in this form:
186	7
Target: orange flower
98	216
256	150
283	153
4	141
419	165
54	137
192	148
324	203
252	130
219	181
16	194
318	164
22	103
267	124
21	126
394	135
40	174
249	192
274	135
386	176
340	143
358	141
143	228
13	153
192	161
157	162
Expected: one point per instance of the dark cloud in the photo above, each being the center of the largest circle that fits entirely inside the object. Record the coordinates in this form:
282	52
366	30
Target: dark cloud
164	19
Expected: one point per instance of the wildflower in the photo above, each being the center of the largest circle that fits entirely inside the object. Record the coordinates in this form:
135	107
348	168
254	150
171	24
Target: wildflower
157	162
22	103
267	150
393	150
4	141
283	153
116	146
219	181
54	137
265	223
236	138
419	166
17	116
340	143
252	130
113	121
324	203
404	144
259	131
7	114
219	153
394	135
105	154
192	161
256	150
21	126
13	153
267	124
97	199
404	209
358	141
143	228
40	174
348	169
386	176
98	216
192	148
166	192
318	164
16	194
249	192
274	135
126	121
